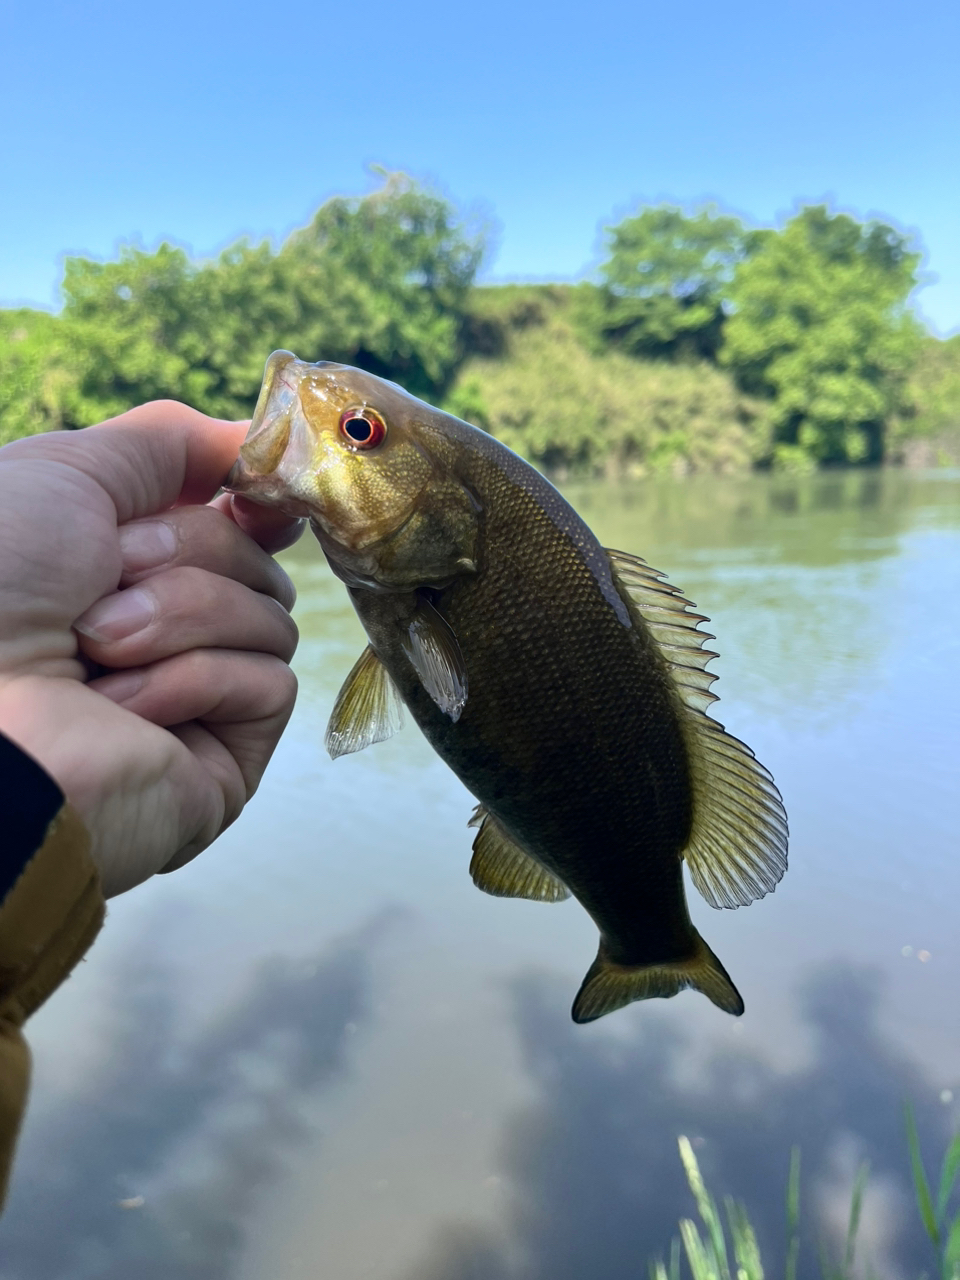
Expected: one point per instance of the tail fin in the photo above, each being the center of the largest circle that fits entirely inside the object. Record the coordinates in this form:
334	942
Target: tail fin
610	986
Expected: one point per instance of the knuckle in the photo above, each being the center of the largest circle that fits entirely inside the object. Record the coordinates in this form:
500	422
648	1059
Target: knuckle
209	534
291	631
186	589
277	686
289	686
285	593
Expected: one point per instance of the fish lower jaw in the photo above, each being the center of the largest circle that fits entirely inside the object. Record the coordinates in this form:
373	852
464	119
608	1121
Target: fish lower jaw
267	491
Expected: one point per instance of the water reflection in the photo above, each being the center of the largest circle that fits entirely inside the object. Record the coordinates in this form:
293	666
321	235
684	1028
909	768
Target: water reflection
467	1129
812	521
153	1169
597	1183
800	576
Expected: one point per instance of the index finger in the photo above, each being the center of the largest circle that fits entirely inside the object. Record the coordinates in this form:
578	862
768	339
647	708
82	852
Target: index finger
265	525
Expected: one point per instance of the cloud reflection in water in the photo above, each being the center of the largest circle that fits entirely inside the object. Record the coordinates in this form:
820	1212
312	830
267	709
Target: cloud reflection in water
598	1183
153	1172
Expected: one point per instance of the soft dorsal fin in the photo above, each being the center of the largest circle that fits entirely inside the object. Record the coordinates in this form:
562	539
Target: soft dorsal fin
434	651
367	710
500	867
738	845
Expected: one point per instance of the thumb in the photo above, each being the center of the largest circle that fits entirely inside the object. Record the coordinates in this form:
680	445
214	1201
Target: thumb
146	459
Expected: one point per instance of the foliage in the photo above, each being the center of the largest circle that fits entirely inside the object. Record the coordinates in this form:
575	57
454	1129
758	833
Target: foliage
819	326
134	329
567	409
942	1229
931	411
844	1270
379	282
33	376
708	1253
701	346
385	282
663	286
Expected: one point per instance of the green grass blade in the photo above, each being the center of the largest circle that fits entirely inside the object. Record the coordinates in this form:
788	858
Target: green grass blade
702	1264
706	1207
948	1176
853	1226
660	1271
827	1270
675	1258
793	1215
951	1254
920	1185
745	1248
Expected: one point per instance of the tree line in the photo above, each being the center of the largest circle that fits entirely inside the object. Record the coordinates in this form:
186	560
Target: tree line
698	343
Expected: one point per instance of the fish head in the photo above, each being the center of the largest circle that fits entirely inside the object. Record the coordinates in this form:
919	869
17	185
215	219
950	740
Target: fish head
368	464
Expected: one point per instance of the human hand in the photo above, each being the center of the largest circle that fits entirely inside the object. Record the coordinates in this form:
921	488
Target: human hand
144	637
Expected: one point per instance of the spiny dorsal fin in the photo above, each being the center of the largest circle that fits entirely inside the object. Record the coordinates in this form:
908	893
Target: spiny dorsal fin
502	868
434	651
738	845
367	710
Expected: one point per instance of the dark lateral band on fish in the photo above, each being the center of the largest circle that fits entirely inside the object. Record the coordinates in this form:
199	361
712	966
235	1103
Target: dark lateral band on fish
565	684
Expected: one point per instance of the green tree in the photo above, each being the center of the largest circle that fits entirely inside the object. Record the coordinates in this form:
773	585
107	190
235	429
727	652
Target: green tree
571	410
383	283
929	423
34	378
662	288
820	327
380	281
134	329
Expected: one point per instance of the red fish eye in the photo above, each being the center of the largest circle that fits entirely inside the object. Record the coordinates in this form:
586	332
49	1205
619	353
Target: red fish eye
361	428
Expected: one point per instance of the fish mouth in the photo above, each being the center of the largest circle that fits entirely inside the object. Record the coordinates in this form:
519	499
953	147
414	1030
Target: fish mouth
275	457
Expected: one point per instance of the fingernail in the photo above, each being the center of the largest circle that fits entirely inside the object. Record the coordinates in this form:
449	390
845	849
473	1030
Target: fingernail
118	616
145	544
122	686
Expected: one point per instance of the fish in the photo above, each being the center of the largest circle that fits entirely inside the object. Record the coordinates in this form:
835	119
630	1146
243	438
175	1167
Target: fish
565	684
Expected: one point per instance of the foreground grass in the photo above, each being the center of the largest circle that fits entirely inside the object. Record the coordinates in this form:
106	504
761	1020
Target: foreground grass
708	1247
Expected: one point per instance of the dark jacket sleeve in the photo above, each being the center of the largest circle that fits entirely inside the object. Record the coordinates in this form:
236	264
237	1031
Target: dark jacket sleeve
51	908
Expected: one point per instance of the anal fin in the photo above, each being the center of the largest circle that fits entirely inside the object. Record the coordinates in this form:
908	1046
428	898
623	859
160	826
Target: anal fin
501	868
610	986
367	710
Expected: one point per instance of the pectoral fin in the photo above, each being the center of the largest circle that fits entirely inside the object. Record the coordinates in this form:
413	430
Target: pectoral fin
432	648
367	710
500	867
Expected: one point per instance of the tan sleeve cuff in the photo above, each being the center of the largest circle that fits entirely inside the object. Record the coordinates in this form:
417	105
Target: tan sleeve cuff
48	919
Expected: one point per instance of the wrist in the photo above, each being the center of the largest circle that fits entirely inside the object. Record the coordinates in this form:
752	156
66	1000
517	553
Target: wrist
25	715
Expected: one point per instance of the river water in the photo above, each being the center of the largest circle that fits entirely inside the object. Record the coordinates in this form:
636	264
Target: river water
319	1051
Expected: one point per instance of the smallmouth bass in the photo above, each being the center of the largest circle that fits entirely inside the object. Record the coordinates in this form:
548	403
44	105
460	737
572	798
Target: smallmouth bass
563	683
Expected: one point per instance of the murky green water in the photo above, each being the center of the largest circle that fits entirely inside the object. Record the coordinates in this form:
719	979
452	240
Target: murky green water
320	1052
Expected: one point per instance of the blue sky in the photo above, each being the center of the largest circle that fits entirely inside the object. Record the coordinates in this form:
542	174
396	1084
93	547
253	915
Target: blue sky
204	121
